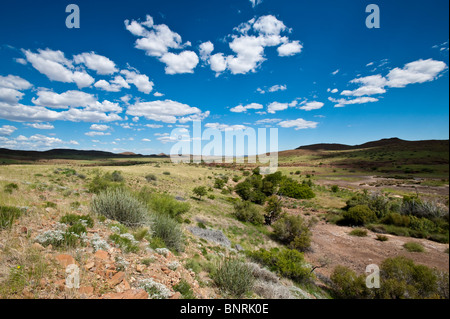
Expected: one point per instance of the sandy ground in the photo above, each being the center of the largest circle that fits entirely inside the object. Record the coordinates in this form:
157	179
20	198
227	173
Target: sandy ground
333	244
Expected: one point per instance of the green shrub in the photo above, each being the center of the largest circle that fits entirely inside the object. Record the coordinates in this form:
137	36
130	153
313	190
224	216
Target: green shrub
293	189
379	204
335	188
382	238
169	231
200	191
157	242
401	278
348	285
184	289
116	176
166	173
126	242
9	188
102	183
397	220
273	209
359	215
358	232
245	211
233	276
118	204
151	178
164	204
288	263
8	215
72	219
219	183
414	247
293	231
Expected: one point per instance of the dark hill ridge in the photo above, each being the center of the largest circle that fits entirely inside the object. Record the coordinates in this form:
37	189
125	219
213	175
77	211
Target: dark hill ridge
388	142
68	154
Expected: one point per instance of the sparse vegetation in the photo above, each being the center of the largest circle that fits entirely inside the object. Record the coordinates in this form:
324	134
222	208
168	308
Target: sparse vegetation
119	205
233	276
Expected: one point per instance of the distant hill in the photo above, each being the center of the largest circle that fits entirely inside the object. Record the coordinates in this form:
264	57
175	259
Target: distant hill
388	142
68	154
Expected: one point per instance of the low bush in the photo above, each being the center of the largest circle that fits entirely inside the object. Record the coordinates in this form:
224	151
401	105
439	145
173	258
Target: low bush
126	242
288	263
246	211
293	231
293	189
119	205
184	289
8	215
200	191
72	219
400	278
9	188
358	232
169	231
151	178
359	215
273	209
414	247
233	277
164	204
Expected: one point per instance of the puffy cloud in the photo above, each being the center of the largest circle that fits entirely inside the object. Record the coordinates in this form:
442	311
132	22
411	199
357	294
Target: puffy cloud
290	49
419	71
41	126
298	124
309	106
167	111
276	88
415	72
64	100
10	96
141	81
206	49
34	142
158	40
218	63
101	64
114	86
98	127
14	82
277	106
56	67
241	108
185	62
359	100
7	130
249	44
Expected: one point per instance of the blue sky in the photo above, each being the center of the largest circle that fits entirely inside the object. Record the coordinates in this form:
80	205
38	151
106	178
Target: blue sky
136	70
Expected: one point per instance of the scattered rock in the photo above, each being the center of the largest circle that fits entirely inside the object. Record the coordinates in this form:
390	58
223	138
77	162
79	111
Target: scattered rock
101	254
129	294
140	268
86	290
212	235
89	265
176	295
117	278
238	247
65	260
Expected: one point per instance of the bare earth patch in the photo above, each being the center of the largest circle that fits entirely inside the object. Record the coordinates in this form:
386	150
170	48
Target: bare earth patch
334	244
